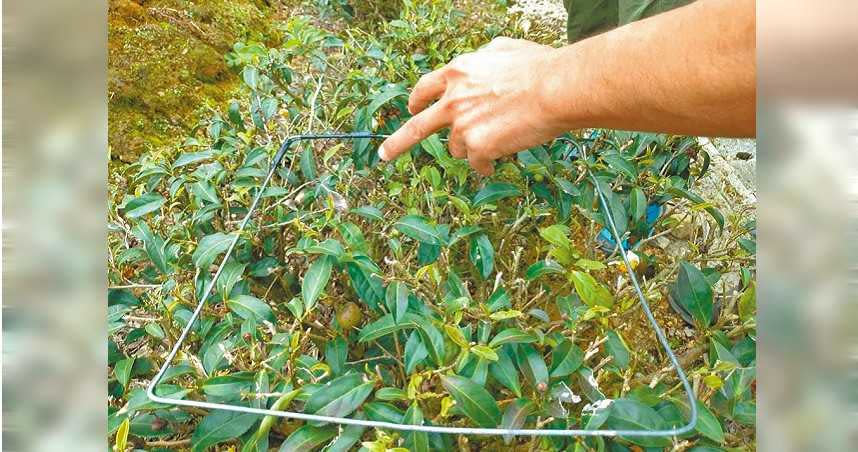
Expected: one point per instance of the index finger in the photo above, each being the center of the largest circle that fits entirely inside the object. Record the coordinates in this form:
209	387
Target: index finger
414	131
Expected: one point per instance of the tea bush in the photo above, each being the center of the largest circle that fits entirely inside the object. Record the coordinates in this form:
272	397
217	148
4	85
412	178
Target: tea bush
416	291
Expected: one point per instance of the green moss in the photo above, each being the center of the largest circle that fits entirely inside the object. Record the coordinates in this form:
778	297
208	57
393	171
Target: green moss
165	62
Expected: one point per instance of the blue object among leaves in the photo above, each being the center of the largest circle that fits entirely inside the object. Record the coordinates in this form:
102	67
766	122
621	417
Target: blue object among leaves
653	211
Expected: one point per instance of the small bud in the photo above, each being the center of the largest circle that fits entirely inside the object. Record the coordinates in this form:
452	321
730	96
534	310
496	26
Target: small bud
541	387
247	337
158	424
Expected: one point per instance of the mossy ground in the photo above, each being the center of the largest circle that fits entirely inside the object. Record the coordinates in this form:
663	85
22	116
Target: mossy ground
166	64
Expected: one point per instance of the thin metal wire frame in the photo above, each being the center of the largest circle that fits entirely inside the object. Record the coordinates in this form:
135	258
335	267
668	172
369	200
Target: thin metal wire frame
150	390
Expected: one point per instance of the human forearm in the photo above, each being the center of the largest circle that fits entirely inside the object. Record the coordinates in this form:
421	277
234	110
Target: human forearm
687	71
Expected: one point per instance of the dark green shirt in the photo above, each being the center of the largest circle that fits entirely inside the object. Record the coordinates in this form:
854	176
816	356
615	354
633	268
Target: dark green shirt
591	17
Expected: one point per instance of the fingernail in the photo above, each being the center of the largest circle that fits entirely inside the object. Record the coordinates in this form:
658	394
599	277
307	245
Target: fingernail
381	152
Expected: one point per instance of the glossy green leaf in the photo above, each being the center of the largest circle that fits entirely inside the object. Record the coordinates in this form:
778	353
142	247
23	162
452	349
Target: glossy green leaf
154	245
415	441
473	400
695	294
532	365
369	212
628	414
484	352
248	307
707	424
482	255
219	426
209	248
315	280
188	158
231	274
367	285
637	204
336	354
329	247
143	204
415	352
308	438
396	300
621	165
543	267
390	394
617	349
348	437
122	371
512	336
385	325
495	191
590	291
504	371
515	415
383	412
566	358
250	75
416	227
557	234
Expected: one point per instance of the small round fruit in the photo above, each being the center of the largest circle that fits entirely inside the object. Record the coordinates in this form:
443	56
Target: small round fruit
349	316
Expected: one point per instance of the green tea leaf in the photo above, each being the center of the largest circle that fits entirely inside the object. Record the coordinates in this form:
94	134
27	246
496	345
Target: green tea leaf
381	327
417	228
219	426
695	294
591	292
628	414
367	285
532	365
343	404
543	267
154	246
708	425
512	336
504	371
482	255
391	394
308	438
556	234
122	371
484	352
415	441
248	307
188	158
143	204
230	275
616	347
515	415
495	191
473	399
315	280
209	248
637	204
566	358
621	165
371	213
396	299
384	412
415	352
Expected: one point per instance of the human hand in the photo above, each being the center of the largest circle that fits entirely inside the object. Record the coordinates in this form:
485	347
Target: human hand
492	99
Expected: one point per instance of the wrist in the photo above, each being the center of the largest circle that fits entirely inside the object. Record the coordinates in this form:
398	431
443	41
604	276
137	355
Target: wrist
564	96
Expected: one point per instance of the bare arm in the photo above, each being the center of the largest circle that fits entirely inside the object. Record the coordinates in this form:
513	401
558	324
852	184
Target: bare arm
688	71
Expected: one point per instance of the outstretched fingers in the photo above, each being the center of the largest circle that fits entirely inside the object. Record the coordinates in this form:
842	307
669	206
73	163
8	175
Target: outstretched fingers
430	87
415	130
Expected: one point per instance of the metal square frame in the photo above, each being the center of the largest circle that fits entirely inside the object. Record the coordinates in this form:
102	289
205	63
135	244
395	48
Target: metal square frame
275	162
